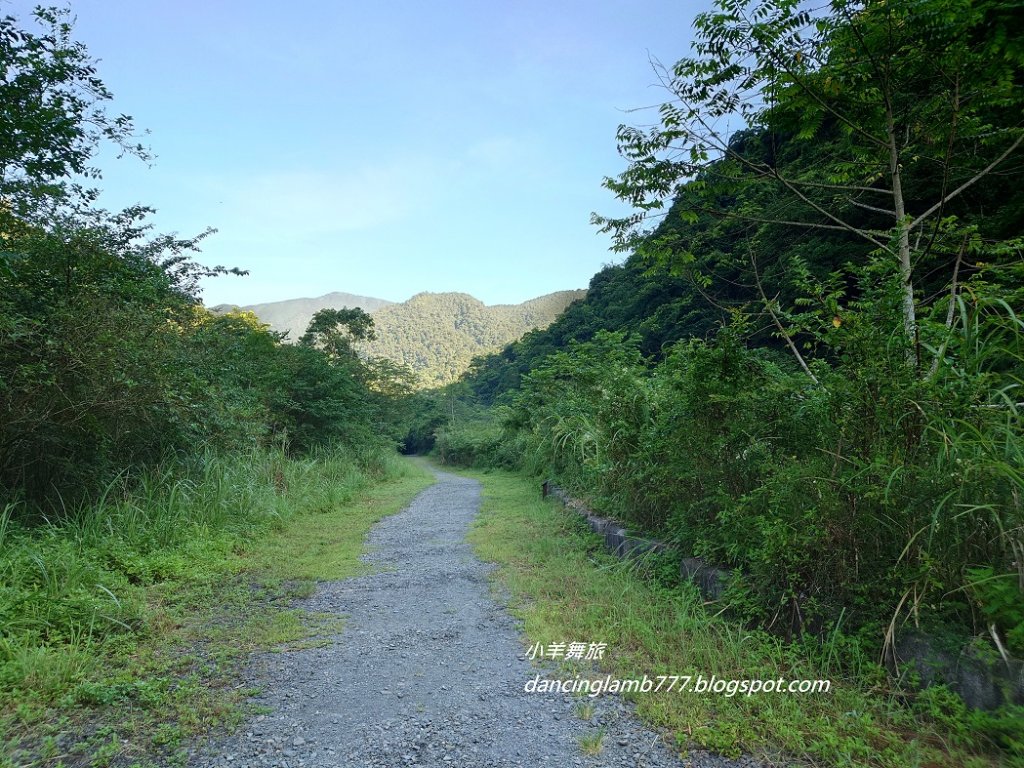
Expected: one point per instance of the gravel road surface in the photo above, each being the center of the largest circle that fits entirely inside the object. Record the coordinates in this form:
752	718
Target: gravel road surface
428	671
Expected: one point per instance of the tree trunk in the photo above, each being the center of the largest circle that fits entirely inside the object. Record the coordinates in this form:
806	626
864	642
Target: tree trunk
903	240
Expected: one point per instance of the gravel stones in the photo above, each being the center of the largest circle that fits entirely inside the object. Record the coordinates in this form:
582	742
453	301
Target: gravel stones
428	671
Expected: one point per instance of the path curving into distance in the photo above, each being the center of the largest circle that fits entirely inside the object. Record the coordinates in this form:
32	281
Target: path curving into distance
428	670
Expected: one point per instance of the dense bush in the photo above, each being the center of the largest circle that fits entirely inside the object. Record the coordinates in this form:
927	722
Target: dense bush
480	442
870	494
850	440
108	363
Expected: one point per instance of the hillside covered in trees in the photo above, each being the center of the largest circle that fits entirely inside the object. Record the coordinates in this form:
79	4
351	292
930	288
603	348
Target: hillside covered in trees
434	335
437	334
292	316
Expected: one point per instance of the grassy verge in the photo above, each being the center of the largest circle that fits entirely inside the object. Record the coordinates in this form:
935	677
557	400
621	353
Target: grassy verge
122	633
567	589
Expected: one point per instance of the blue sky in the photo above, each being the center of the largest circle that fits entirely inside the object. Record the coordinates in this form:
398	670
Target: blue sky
381	148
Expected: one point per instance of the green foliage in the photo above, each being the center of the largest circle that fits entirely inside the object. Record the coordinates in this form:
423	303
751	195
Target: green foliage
972	728
108	363
131	619
292	316
830	497
563	584
79	582
77	402
850	440
53	114
885	125
478	441
657	307
998	597
848	506
426	413
433	335
312	397
336	331
585	408
436	335
144	442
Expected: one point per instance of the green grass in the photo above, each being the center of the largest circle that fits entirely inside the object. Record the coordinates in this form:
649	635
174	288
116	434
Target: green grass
123	629
585	710
592	743
567	589
327	544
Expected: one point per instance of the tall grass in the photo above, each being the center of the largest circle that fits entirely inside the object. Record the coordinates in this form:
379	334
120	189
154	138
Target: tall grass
875	497
69	587
566	588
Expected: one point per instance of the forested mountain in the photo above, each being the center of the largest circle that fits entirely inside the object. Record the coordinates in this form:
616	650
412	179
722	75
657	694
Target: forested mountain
438	334
708	262
435	334
293	315
659	308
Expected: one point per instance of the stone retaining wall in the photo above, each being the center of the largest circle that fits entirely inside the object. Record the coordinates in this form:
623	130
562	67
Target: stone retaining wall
983	680
710	580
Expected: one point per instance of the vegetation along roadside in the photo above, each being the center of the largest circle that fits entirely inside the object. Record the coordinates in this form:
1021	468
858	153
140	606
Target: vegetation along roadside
565	587
807	372
125	631
169	478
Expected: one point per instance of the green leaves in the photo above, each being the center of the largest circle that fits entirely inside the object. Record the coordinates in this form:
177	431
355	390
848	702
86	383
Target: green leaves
336	332
53	113
868	121
108	363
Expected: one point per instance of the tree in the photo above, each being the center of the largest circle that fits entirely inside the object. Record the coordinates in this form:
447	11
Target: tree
53	119
53	115
98	370
93	370
336	331
910	107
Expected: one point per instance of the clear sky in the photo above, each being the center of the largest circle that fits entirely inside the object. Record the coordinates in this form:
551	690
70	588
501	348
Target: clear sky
381	148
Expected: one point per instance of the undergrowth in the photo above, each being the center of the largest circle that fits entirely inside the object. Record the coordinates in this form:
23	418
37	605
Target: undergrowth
566	588
122	627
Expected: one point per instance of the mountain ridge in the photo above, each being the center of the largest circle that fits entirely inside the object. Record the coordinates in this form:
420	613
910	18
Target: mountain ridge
293	315
436	334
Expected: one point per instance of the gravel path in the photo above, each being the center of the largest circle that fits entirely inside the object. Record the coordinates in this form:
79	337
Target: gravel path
428	670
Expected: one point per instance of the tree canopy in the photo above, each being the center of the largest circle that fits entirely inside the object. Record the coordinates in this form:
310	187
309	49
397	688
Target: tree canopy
54	114
809	366
890	123
108	362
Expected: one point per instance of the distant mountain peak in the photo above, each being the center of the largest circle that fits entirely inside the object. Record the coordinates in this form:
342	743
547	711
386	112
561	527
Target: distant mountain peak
435	334
293	315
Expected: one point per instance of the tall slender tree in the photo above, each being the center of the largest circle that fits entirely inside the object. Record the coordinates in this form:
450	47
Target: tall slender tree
914	106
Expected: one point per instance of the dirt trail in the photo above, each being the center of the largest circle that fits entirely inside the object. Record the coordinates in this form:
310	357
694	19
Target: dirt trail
428	671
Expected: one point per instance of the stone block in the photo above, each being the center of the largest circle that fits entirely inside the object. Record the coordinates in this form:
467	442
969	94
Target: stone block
636	546
981	676
711	581
615	539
